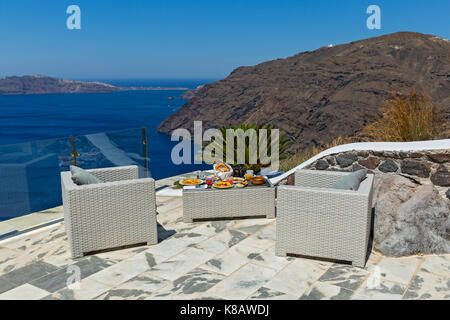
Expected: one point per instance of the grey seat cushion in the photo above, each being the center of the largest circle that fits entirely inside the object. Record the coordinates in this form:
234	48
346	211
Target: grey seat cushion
351	181
82	177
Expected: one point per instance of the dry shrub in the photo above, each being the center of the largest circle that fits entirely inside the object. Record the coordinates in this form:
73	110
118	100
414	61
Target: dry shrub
408	118
403	118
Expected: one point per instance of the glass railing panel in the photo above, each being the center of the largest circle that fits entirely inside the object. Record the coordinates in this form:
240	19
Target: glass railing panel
30	172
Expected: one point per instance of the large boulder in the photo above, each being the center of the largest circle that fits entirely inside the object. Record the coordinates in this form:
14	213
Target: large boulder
409	218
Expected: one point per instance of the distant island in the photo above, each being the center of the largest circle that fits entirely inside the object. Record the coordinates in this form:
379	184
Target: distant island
38	84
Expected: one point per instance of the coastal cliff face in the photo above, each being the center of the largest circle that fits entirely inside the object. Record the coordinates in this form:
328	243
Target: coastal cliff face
317	96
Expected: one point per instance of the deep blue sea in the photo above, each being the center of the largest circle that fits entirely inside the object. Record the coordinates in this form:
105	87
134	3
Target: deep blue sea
37	117
26	118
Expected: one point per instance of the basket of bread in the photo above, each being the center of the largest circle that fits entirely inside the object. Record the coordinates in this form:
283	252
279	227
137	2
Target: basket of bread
223	170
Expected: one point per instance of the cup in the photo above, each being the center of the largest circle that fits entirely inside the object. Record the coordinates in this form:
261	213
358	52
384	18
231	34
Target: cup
200	175
238	171
248	174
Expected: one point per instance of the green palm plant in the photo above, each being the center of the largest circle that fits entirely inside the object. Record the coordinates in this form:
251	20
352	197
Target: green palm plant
254	150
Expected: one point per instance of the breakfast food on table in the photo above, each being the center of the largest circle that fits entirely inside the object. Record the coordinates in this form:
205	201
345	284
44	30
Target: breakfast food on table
222	167
248	174
222	170
241	184
209	181
191	182
258	180
223	184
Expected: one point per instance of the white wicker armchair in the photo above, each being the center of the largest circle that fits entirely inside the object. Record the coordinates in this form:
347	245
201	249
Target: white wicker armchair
317	221
119	212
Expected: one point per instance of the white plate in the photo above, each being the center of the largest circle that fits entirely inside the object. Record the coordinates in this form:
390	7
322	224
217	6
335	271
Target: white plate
219	188
181	182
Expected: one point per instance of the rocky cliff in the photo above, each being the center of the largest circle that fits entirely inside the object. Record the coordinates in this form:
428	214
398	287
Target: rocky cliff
317	96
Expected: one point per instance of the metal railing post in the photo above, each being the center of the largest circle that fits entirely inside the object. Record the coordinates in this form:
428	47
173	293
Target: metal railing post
145	151
73	151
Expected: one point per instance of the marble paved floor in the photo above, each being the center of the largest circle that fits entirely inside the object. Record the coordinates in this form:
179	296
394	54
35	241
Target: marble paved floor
208	260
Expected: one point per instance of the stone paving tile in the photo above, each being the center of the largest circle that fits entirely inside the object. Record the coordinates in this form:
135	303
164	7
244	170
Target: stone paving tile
222	241
231	260
7	259
344	276
242	283
127	269
115	256
206	296
168	248
55	253
169	206
57	280
37	240
88	289
60	254
6	228
137	288
374	259
214	227
396	269
38	245
270	260
425	285
162	199
28	273
30	220
297	276
190	285
178	265
324	291
437	264
24	292
264	293
172	217
190	237
252	225
6	285
385	290
53	281
263	239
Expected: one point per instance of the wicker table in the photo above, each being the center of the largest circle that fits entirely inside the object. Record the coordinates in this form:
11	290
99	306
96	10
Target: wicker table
250	201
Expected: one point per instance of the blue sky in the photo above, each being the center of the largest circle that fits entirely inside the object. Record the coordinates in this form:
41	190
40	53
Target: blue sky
189	39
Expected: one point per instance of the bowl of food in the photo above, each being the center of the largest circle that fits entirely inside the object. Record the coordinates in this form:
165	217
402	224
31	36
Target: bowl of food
240	182
258	180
